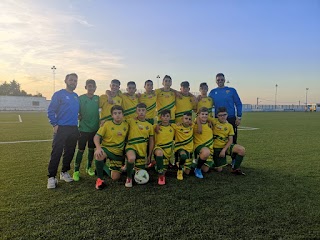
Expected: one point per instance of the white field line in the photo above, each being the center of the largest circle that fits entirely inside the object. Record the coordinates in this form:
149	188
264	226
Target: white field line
20	120
241	128
26	141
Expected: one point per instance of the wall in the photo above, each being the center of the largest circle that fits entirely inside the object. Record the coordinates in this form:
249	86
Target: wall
20	103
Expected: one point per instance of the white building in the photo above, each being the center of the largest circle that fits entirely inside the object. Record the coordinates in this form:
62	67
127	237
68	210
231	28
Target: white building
22	103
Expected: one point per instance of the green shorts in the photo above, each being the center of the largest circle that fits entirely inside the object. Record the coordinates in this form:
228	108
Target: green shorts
140	162
221	161
188	163
114	162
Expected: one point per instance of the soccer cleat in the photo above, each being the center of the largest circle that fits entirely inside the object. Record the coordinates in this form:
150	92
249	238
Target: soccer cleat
180	175
237	172
66	177
161	180
152	164
198	173
76	176
52	183
100	184
90	171
128	183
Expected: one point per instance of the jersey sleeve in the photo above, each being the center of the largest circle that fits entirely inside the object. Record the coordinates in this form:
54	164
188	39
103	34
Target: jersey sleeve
102	130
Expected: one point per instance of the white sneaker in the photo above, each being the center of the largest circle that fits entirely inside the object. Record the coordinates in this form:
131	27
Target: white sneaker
66	177
52	183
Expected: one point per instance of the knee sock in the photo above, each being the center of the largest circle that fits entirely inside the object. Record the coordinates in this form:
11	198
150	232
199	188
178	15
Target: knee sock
237	162
99	168
183	158
78	161
107	170
200	163
90	157
159	160
129	169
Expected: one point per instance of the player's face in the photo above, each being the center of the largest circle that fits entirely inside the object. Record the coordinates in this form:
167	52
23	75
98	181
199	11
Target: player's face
114	87
167	82
186	120
203	90
117	116
148	87
222	117
91	88
220	81
71	82
165	118
203	116
141	112
185	90
131	89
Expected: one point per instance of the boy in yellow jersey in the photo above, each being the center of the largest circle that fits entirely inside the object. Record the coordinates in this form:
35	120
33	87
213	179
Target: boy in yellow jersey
203	143
166	97
163	147
186	102
203	99
113	134
130	100
140	135
223	143
183	147
108	100
149	98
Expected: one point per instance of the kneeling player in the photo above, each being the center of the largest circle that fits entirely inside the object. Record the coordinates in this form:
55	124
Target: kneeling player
223	143
140	134
113	134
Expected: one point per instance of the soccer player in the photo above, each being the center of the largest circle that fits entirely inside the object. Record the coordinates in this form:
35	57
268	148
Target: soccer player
223	143
113	134
130	100
63	116
140	135
163	147
203	99
149	98
186	102
183	144
88	126
203	143
166	98
108	100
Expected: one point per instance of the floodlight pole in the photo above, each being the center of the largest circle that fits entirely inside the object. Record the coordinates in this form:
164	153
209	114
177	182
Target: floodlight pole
158	78
307	98
54	78
275	99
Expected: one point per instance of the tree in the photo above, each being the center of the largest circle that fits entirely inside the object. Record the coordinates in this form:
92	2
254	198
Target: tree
13	89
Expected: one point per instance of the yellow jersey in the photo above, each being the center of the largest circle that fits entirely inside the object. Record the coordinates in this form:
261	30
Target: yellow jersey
129	104
164	140
150	100
184	104
166	100
183	137
221	133
205	138
105	106
205	102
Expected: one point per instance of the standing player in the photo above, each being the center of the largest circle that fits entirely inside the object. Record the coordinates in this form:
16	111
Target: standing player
140	135
108	100
130	100
223	143
163	147
183	147
149	98
63	116
186	102
203	99
88	126
203	143
113	134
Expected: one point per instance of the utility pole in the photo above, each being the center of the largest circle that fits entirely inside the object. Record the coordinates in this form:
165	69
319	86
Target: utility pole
275	99
54	78
158	78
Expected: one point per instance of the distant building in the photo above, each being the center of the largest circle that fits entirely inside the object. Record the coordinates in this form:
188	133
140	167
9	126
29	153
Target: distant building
22	103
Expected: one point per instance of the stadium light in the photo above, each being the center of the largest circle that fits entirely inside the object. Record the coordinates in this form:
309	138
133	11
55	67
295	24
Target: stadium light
54	78
158	78
275	98
307	98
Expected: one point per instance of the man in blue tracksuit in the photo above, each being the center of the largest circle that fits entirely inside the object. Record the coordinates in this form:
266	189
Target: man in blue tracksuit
63	116
228	97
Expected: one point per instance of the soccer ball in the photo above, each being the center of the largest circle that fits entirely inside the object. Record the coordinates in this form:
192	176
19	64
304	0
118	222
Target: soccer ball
141	176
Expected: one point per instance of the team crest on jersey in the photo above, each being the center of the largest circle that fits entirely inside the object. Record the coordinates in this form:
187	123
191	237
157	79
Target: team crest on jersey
147	128
170	130
227	91
112	128
124	129
67	97
225	129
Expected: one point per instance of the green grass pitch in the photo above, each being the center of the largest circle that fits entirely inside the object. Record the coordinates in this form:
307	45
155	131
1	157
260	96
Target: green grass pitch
279	198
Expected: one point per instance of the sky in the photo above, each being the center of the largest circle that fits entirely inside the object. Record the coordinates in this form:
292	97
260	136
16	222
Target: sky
256	44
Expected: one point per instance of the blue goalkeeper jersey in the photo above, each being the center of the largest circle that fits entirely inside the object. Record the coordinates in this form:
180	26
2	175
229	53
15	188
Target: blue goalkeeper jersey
226	97
64	108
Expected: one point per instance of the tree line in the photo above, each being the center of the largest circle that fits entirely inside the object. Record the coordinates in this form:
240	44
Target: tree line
13	89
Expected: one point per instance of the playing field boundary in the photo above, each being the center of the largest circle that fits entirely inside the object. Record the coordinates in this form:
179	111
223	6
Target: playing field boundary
26	141
19	120
242	128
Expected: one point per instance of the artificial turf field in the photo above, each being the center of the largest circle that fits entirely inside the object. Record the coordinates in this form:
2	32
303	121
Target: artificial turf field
279	198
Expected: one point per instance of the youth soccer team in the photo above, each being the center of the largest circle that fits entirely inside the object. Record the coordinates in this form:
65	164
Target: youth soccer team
128	136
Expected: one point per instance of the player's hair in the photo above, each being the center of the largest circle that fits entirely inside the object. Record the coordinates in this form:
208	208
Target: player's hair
220	75
203	109
188	113
141	105
222	109
131	83
90	81
204	84
185	84
116	107
71	74
166	76
164	112
115	81
148	81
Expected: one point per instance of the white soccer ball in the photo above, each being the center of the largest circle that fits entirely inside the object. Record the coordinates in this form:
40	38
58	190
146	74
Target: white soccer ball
141	176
